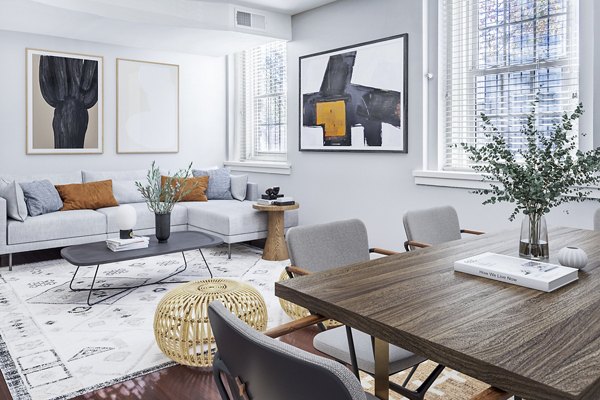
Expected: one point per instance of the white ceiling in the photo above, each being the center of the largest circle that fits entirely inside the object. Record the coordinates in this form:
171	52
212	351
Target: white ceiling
284	6
188	26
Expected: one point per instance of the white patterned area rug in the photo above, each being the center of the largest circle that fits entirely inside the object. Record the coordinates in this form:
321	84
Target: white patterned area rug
54	346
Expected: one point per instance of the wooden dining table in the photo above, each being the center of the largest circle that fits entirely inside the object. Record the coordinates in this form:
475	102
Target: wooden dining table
533	344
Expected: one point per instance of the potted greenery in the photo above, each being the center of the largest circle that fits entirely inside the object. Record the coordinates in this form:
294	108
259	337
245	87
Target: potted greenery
550	170
161	195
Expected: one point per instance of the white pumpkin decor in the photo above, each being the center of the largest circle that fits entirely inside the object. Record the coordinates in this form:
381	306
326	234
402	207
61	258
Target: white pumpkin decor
573	257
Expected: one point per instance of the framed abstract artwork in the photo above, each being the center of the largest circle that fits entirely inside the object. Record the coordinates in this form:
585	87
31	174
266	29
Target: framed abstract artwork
355	98
64	103
147	107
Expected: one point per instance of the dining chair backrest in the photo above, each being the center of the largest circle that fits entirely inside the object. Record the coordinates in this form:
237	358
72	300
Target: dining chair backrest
324	246
271	369
433	225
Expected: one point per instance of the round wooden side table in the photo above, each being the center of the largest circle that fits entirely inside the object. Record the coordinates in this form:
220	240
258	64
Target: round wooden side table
181	325
275	247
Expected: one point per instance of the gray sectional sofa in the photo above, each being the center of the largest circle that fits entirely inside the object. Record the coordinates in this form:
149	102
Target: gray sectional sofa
232	220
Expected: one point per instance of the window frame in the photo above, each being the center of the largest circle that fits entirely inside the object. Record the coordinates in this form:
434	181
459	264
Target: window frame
242	137
473	68
431	172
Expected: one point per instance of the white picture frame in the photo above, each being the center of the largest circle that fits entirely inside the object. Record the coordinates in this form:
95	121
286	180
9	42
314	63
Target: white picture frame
147	107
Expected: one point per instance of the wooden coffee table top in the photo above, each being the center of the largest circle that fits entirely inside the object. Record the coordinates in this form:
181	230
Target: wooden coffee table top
97	253
263	207
541	346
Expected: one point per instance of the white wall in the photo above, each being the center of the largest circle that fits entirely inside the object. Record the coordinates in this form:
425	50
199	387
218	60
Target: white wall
202	108
596	86
378	188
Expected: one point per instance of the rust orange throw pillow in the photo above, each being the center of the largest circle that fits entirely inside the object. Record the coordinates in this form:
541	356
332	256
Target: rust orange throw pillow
87	196
198	193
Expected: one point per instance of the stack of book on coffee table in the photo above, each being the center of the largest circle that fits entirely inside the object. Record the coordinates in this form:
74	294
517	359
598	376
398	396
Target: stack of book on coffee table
138	242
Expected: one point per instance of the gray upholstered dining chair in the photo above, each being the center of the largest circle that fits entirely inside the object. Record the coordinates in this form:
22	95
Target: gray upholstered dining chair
431	226
256	366
314	248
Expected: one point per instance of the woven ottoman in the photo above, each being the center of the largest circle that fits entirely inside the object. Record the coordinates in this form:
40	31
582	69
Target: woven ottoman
294	311
181	325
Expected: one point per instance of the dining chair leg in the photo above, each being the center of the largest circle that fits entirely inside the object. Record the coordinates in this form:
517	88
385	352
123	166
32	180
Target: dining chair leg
410	375
352	351
382	361
419	393
322	327
218	368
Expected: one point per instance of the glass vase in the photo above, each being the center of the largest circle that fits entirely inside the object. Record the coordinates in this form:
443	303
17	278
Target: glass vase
534	238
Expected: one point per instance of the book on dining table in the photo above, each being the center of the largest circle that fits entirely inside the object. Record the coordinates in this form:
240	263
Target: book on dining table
518	271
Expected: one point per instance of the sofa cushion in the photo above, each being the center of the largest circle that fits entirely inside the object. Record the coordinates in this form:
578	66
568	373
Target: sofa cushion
41	197
231	217
219	183
16	208
127	192
130	175
87	196
56	179
145	218
56	225
239	186
195	187
124	188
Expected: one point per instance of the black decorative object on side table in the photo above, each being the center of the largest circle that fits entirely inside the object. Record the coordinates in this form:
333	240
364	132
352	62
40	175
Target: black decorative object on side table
271	193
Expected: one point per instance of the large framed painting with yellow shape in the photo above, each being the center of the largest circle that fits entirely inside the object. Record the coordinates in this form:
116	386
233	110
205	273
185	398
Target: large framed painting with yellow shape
355	98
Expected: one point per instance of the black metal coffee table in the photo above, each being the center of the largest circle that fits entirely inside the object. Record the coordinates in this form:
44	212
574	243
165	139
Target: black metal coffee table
98	254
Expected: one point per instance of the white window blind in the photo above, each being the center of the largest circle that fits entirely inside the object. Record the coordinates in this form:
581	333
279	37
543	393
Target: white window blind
499	55
262	102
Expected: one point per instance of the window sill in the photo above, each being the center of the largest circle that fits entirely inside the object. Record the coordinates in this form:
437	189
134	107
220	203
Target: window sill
465	180
262	167
453	179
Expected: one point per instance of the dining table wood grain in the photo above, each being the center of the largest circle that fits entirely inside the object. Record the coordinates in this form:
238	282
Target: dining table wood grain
537	345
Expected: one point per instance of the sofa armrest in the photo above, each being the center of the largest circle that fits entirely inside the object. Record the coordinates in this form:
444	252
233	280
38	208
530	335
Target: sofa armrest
252	191
3	224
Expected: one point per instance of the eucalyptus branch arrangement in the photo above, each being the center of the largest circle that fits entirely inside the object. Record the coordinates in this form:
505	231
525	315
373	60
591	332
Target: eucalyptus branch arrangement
161	198
549	171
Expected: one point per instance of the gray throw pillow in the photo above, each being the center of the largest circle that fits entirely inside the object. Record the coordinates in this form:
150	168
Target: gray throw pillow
15	200
41	197
239	184
219	183
126	192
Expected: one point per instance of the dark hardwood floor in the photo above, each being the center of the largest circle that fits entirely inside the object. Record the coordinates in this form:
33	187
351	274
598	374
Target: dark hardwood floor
179	382
174	383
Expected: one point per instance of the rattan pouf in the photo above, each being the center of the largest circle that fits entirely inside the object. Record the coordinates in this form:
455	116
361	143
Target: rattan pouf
181	325
294	311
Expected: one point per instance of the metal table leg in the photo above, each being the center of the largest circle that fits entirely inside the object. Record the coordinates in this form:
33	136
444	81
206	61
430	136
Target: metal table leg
382	361
205	263
127	288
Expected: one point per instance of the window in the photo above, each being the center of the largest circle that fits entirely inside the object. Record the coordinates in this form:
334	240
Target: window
500	55
261	103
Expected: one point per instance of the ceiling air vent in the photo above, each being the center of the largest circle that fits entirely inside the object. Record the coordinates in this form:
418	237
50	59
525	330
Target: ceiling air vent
248	20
